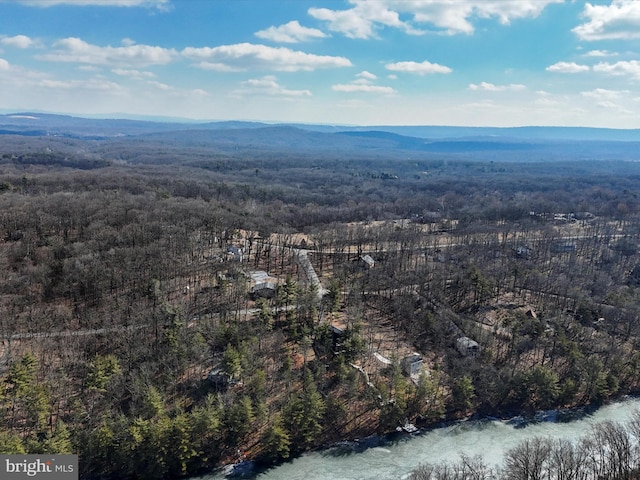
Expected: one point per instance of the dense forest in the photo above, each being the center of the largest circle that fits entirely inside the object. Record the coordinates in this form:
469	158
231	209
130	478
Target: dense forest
172	303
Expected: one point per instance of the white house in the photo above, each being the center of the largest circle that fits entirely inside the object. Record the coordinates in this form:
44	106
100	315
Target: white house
468	347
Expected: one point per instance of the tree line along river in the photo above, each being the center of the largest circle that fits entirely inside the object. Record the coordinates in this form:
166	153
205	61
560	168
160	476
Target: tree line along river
395	458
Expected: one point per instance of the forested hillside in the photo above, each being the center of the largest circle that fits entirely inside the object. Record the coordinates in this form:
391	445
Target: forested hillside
170	303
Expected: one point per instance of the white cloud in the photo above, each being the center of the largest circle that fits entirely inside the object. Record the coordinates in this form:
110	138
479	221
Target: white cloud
452	17
490	87
96	84
367	75
422	68
347	22
363	83
19	76
268	85
623	68
137	74
291	32
608	99
218	67
608	104
600	53
362	87
159	85
605	94
363	19
75	50
160	4
567	67
248	56
620	20
506	10
548	100
19	41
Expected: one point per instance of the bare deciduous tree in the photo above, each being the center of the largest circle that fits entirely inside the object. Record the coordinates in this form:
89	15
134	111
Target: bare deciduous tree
527	461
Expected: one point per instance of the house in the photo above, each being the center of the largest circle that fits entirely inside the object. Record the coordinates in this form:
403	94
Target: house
468	347
263	285
367	262
266	289
412	365
234	253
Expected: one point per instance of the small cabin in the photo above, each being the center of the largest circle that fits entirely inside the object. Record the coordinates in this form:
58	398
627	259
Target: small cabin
468	347
367	262
412	364
235	253
266	289
263	286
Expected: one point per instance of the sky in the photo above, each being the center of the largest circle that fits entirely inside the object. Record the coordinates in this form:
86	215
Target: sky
345	62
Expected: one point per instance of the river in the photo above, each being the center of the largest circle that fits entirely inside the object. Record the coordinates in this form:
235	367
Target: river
376	459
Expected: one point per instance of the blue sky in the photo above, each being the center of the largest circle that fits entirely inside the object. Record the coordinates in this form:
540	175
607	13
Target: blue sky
357	62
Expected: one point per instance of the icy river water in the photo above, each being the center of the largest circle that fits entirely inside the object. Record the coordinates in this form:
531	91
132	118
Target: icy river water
376	459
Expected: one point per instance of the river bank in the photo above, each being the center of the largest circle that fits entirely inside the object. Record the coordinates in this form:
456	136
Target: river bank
396	454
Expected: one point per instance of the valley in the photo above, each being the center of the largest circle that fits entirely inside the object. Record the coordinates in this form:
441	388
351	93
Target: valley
184	299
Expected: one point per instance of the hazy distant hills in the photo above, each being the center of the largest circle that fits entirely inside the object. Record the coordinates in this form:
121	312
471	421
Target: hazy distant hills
530	133
64	124
501	144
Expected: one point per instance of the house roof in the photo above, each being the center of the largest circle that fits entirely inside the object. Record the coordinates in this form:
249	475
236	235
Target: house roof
467	342
368	260
258	275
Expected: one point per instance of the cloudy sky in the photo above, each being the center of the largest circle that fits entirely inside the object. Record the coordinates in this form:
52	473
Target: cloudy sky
365	62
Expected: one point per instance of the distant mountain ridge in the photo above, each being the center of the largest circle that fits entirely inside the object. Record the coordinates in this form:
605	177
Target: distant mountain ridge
239	139
53	124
